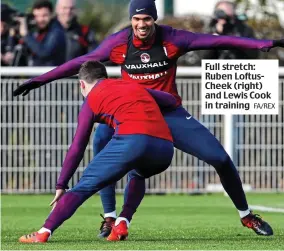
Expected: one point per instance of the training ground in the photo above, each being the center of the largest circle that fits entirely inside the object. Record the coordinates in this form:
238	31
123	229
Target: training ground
170	222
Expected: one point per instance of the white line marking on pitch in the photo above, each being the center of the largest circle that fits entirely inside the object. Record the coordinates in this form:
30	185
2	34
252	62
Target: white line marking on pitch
267	209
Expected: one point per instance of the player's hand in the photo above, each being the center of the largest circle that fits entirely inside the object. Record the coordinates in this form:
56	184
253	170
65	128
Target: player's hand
58	195
278	43
26	87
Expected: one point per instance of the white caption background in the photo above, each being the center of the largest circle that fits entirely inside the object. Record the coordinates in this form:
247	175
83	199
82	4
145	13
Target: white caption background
250	89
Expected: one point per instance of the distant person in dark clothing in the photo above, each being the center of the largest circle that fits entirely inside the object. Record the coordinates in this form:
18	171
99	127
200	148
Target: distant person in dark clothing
7	54
7	41
226	22
80	39
47	43
13	53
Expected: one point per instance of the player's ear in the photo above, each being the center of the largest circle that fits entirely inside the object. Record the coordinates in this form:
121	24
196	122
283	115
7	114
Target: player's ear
82	84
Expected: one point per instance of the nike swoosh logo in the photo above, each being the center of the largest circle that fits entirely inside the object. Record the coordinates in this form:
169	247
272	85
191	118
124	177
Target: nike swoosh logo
138	10
189	117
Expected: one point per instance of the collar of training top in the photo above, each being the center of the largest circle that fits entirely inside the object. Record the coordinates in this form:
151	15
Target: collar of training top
144	44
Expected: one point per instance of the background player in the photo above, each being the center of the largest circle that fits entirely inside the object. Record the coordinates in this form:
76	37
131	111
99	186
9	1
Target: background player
139	128
148	54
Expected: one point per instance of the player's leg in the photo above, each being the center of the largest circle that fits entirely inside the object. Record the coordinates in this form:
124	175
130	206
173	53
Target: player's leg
133	194
157	159
102	136
110	165
192	137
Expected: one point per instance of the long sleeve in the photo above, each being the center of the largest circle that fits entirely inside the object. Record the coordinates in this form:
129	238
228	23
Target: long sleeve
188	41
163	99
86	120
70	68
206	41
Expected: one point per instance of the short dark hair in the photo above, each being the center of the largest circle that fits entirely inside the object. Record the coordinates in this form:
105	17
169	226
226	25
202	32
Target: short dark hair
43	4
91	71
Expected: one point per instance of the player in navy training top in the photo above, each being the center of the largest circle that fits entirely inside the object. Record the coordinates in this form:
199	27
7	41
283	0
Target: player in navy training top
142	140
148	53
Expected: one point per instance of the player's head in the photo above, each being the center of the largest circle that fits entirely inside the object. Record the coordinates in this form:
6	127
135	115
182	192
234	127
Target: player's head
89	73
143	15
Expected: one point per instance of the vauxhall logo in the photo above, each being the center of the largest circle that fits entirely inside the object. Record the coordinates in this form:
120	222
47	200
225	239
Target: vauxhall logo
145	57
143	66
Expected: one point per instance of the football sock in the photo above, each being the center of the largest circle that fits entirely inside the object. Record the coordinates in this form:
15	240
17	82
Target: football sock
133	195
111	214
244	213
65	208
119	219
232	184
43	229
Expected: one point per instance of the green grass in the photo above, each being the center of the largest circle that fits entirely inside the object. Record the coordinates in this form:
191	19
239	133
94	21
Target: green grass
162	222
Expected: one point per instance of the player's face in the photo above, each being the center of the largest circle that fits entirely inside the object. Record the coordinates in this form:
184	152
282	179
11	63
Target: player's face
143	26
83	88
42	17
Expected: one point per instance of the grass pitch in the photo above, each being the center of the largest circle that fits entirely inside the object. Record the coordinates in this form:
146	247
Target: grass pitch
207	222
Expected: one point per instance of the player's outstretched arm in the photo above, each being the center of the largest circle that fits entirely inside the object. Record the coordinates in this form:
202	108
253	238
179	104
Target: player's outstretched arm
188	41
70	68
208	41
86	120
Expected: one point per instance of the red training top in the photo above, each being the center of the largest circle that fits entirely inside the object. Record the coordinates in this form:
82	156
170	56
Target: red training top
128	108
123	105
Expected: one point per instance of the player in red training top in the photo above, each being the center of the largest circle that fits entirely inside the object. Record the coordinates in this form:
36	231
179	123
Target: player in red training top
148	53
140	129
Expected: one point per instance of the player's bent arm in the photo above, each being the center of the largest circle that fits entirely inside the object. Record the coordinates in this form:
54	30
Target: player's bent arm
86	120
163	99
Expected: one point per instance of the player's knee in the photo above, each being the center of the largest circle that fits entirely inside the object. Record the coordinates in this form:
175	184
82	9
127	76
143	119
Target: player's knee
83	187
153	171
88	183
219	158
108	191
134	174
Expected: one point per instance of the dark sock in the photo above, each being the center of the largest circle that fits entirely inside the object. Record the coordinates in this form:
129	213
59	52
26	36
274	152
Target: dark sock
133	195
232	184
65	208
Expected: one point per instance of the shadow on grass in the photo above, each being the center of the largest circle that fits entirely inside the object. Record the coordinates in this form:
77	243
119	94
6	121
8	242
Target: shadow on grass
182	239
